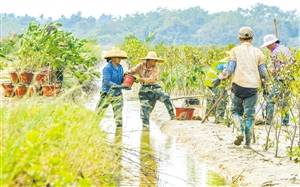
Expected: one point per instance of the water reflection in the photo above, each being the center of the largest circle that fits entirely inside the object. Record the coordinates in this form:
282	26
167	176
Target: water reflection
118	153
148	169
147	157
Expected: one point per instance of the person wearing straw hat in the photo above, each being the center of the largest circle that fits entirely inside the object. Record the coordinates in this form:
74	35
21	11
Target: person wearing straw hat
150	91
112	79
281	58
247	67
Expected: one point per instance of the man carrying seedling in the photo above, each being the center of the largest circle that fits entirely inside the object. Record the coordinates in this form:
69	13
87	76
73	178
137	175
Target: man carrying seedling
212	75
281	58
150	90
112	79
247	67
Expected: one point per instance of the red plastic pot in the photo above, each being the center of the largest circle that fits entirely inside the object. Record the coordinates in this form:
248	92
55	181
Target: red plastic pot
41	78
50	90
20	90
128	80
184	113
14	77
8	89
26	77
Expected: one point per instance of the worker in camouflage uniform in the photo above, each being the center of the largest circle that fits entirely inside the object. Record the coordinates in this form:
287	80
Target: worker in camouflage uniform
150	91
219	110
112	79
281	58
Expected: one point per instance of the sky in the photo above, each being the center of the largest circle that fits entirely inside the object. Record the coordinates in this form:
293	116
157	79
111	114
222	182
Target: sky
56	8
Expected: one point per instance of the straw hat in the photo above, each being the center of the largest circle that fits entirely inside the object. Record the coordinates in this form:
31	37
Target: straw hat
116	52
269	39
245	33
152	56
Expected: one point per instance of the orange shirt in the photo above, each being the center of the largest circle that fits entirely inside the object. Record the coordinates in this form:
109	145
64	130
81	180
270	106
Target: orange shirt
149	74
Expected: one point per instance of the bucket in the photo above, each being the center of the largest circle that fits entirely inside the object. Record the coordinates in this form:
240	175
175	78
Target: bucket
184	113
128	80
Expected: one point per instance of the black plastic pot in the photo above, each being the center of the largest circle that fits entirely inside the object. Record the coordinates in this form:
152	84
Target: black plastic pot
192	101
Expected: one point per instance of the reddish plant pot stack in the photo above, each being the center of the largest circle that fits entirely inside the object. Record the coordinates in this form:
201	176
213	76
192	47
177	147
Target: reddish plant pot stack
31	84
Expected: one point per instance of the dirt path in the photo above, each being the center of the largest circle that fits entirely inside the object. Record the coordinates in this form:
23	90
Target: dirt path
212	144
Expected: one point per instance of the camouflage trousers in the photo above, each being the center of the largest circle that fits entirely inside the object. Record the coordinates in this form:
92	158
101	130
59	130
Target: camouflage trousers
117	105
219	110
243	111
148	96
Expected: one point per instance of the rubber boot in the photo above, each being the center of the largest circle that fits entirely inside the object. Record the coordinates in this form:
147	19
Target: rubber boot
248	133
237	120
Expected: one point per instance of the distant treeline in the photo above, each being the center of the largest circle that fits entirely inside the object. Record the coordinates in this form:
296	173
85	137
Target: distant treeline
190	26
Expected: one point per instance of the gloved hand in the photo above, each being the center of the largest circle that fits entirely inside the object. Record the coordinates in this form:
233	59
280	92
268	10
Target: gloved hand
216	82
119	87
224	75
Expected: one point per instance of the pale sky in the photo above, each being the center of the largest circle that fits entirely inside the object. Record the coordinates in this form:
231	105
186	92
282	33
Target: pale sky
56	8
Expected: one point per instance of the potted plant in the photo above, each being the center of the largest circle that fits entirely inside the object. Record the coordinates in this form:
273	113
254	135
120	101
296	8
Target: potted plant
20	90
8	89
25	65
50	90
8	47
44	76
14	77
31	54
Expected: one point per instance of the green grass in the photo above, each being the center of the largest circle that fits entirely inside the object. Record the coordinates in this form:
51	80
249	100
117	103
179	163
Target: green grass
54	143
215	179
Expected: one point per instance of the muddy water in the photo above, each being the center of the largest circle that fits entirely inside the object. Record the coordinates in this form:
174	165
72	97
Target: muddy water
147	156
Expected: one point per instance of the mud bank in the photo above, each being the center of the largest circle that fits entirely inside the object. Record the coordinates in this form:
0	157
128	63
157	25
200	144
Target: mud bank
213	144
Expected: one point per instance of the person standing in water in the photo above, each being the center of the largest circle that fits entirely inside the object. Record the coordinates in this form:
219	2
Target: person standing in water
150	91
111	90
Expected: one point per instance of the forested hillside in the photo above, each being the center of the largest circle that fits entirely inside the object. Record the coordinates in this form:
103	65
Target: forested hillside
191	26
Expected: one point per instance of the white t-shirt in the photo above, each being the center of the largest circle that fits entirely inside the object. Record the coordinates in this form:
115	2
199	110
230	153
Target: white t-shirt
247	58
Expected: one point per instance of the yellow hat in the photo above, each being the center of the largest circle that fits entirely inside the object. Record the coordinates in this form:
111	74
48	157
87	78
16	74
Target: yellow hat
152	56
116	52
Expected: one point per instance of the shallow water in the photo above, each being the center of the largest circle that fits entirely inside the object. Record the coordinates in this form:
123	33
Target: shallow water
149	157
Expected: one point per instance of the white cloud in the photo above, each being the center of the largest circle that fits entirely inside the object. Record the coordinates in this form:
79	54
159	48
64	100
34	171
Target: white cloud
56	8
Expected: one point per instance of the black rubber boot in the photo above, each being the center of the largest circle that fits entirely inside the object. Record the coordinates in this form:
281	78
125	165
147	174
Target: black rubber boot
248	141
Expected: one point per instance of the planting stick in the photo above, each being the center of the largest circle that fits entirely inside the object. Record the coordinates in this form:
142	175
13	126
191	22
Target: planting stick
260	108
214	106
184	97
275	27
293	136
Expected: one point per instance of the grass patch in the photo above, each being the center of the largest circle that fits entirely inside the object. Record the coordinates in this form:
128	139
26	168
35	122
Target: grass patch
54	144
215	179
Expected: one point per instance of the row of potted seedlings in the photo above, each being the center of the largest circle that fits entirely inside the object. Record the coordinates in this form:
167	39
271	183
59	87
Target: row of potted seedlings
22	83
